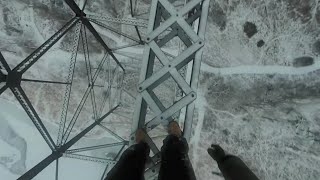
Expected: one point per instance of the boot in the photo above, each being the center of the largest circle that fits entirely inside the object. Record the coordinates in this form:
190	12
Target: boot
140	136
174	129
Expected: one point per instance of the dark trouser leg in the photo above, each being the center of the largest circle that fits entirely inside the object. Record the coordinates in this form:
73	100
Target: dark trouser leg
131	164
175	163
234	168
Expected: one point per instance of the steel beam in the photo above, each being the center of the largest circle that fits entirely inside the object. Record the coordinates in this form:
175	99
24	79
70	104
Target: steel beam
79	13
175	22
3	63
73	60
33	115
84	40
35	56
152	171
84	5
75	8
125	46
196	70
126	21
101	41
82	102
3	78
90	158
40	166
59	152
163	117
117	31
146	72
2	89
14	78
43	81
71	151
115	159
136	27
163	74
57	169
4	69
112	133
76	115
178	23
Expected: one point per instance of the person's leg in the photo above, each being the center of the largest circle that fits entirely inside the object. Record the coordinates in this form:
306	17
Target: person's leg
131	164
175	163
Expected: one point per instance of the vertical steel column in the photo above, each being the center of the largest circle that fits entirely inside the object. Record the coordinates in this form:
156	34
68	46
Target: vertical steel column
196	70
180	24
176	23
57	169
146	71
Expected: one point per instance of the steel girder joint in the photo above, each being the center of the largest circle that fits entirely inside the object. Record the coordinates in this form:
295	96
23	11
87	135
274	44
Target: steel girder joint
13	79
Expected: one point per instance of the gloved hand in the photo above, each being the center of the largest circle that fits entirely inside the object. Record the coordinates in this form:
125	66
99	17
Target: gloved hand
216	152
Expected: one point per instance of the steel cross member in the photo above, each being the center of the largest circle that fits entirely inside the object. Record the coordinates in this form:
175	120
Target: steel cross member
177	23
79	13
59	152
12	80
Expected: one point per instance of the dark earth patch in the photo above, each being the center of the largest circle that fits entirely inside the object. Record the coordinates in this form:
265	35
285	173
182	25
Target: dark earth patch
217	15
303	61
299	9
260	43
250	29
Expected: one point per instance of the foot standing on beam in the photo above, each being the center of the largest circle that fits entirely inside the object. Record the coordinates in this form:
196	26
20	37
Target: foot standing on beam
131	164
175	163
